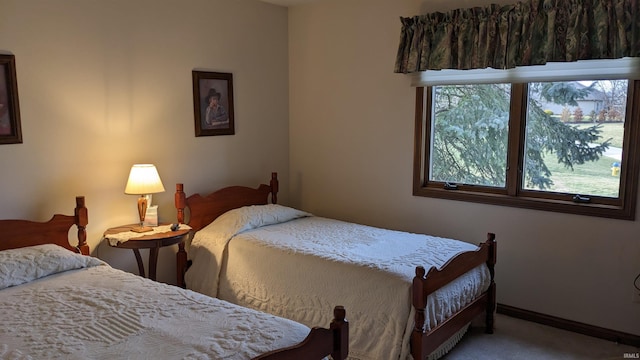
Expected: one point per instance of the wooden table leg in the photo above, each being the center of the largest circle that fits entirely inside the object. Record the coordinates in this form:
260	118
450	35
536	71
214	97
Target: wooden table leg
153	261
139	261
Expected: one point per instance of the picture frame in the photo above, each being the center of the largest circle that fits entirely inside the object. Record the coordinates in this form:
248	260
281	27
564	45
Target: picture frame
213	103
10	127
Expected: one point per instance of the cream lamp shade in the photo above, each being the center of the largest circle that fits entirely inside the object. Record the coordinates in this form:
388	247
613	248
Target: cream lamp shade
144	180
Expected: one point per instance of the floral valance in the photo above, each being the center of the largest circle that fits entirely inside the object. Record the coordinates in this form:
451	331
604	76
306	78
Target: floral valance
530	32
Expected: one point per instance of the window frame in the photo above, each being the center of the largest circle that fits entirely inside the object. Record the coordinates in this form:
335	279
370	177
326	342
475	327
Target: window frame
513	194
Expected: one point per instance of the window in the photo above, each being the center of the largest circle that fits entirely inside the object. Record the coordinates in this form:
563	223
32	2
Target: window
552	138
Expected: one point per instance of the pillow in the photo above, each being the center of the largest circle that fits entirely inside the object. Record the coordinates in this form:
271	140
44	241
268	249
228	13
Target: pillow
19	266
246	218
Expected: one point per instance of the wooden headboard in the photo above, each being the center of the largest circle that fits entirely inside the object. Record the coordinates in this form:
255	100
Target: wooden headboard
20	233
204	209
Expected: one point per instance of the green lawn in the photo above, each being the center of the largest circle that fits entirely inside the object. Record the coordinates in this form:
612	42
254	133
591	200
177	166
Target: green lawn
591	178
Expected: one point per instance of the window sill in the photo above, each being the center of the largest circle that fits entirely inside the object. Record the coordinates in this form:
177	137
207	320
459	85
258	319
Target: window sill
570	207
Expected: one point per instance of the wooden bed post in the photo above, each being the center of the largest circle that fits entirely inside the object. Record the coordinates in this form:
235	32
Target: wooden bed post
340	328
274	187
180	202
419	304
491	292
81	220
181	255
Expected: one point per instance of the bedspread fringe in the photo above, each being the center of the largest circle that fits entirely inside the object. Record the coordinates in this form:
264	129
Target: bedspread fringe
443	349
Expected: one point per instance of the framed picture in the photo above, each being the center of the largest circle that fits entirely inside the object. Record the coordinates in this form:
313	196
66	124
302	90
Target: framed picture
213	103
10	131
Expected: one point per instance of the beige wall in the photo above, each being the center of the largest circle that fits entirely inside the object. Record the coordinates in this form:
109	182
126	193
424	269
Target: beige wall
351	140
106	84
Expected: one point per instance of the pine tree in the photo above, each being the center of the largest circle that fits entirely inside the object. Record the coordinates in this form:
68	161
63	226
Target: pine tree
471	133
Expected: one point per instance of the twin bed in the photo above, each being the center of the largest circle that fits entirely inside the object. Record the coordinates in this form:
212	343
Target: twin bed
290	263
58	303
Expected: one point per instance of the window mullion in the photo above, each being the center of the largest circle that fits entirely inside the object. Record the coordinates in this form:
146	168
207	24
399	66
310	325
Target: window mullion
515	155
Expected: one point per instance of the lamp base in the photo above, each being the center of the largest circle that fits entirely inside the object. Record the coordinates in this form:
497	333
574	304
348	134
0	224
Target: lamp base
142	229
142	210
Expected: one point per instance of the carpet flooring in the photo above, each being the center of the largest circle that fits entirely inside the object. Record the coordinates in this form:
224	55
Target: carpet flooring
516	339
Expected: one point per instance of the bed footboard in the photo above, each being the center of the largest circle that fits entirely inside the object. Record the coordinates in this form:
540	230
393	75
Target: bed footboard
425	342
319	343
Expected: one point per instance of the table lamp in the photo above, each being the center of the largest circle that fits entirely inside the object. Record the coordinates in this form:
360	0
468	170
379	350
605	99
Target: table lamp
144	181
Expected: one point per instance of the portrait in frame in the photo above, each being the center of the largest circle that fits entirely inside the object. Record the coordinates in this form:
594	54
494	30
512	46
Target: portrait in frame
213	103
10	128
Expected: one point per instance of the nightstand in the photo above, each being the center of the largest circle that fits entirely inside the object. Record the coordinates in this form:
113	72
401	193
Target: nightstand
122	237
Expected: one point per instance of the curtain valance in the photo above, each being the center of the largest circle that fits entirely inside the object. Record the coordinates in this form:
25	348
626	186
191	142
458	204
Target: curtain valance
530	32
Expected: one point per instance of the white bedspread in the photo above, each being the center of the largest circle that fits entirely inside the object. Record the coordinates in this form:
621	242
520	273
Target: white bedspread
93	311
290	264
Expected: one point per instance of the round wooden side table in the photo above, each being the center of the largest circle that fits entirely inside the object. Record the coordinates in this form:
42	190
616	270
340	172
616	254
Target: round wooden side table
151	241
